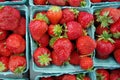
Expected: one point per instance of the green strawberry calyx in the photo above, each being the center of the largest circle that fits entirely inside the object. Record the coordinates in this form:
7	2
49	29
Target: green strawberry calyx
116	35
83	3
52	41
57	30
1	7
75	11
99	76
80	76
2	67
54	8
44	59
19	69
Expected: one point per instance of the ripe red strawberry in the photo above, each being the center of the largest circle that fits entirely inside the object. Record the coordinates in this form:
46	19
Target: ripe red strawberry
86	78
17	64
47	78
96	1
21	29
86	45
100	29
16	44
37	29
74	58
105	46
115	74
55	59
117	55
39	2
102	74
82	77
9	18
75	3
57	2
42	56
54	14
117	43
69	77
114	0
74	30
86	63
3	34
44	40
63	47
2	0
68	15
4	61
55	30
58	77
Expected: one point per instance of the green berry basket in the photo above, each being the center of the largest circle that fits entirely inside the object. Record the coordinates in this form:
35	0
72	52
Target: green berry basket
24	11
52	68
13	2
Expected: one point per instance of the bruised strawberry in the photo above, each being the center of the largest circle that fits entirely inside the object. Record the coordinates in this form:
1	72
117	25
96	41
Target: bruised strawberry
74	30
117	43
4	61
69	77
44	40
17	64
55	30
47	78
96	1
117	55
37	29
42	56
63	48
39	2
16	44
100	29
54	14
21	29
57	2
3	34
85	19
9	18
74	58
86	63
86	45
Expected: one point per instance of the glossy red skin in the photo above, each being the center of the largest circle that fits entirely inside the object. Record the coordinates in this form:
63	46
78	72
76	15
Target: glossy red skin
58	77
85	45
74	58
115	74
63	48
16	43
39	2
47	78
9	18
86	63
55	59
57	2
104	73
100	29
86	78
37	29
51	30
5	61
21	29
3	34
114	28
38	52
69	77
85	19
67	16
44	40
74	3
104	48
117	43
16	61
96	1
113	12
117	55
74	30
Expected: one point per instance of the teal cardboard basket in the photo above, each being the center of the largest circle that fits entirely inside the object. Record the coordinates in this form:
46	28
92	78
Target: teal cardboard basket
24	11
110	62
52	68
13	2
13	79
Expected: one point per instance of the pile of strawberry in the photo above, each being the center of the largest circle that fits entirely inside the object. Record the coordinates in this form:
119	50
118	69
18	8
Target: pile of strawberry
98	1
12	42
80	76
108	33
104	74
74	3
62	37
8	0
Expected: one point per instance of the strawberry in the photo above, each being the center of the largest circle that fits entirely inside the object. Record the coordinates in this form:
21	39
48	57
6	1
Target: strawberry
17	64
102	74
37	29
44	40
117	55
21	29
3	34
117	43
86	63
39	2
16	44
62	47
2	0
100	29
86	45
4	61
86	78
74	30
54	14
105	45
42	56
76	3
114	75
55	30
47	78
85	19
83	77
57	2
74	58
69	77
96	1
58	77
9	18
114	0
